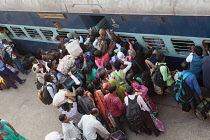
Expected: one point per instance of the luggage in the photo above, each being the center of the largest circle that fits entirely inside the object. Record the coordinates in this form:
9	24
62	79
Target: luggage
102	46
202	110
87	104
74	48
65	64
4	84
68	82
118	135
7	57
134	114
158	123
182	91
44	95
157	77
14	70
27	65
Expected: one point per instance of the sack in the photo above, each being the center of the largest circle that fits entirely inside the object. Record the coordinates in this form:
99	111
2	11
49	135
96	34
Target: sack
44	95
182	91
134	114
118	135
4	84
186	107
202	109
68	82
158	123
7	57
157	77
74	48
87	104
65	64
14	70
120	79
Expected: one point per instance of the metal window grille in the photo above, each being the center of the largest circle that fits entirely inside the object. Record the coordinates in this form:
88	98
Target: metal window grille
131	38
156	42
9	34
182	46
63	33
33	33
48	34
82	33
19	32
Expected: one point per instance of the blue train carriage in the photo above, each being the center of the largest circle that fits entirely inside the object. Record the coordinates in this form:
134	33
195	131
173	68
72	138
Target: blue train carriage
171	26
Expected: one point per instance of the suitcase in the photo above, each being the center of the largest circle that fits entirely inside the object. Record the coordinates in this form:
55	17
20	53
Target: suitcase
202	110
118	135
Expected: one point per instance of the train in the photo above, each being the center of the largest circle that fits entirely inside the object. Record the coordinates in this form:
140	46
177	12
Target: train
172	26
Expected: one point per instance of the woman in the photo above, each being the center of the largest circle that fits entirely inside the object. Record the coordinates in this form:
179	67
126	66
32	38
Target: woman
8	132
147	124
142	90
51	87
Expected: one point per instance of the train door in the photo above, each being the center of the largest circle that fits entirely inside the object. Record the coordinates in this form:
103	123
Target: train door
95	22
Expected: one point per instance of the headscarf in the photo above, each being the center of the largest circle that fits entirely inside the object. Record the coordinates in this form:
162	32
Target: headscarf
1	125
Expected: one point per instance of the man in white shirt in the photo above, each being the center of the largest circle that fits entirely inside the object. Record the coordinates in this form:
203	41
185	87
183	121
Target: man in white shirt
70	131
92	128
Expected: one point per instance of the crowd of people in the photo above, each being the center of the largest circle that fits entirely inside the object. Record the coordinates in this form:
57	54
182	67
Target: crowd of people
99	81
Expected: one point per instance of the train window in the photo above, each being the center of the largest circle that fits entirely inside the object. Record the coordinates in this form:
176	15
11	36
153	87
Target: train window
123	37
9	34
182	46
63	33
19	32
48	34
156	42
33	33
82	33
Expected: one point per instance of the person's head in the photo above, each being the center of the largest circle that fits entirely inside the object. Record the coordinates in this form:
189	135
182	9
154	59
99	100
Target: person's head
185	65
132	53
48	77
63	118
198	50
102	75
80	91
60	46
46	58
125	45
130	77
160	57
32	59
4	41
87	70
112	89
148	53
120	55
108	67
124	50
41	51
102	32
91	87
66	106
94	112
97	53
97	83
117	64
59	38
70	35
129	90
1	30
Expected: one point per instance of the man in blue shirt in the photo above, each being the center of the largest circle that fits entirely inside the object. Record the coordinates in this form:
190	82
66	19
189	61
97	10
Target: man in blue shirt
5	73
192	82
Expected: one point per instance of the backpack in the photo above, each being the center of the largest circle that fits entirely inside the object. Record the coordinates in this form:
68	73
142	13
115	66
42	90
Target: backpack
157	77
120	79
27	65
182	91
134	114
87	104
4	84
44	95
7	57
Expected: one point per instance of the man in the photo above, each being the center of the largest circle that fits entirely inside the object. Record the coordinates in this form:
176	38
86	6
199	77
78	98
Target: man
195	60
69	129
165	72
15	56
92	128
116	108
5	73
206	70
192	83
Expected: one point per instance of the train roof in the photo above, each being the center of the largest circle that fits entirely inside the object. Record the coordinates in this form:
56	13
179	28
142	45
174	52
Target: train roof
135	7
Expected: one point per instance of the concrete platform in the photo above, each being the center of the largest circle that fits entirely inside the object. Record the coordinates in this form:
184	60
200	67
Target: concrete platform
34	120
